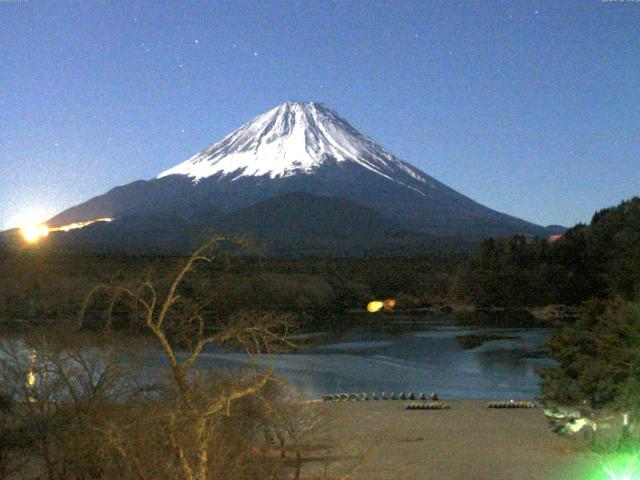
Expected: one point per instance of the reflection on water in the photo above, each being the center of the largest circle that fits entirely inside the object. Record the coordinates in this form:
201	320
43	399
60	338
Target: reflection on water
424	361
501	366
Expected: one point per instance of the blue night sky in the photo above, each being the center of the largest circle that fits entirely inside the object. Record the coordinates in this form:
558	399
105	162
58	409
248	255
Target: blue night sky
529	107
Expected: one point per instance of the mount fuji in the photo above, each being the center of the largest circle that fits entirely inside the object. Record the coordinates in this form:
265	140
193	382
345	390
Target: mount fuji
294	161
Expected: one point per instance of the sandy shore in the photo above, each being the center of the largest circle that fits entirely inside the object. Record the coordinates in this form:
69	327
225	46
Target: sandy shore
383	440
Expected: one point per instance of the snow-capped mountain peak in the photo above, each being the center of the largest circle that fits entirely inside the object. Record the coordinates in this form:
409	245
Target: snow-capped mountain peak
283	161
293	138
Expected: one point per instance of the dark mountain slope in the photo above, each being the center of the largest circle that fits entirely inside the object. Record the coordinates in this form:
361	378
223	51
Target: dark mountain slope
300	147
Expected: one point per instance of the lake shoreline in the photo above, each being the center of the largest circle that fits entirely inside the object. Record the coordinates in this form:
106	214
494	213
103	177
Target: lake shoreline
468	441
438	355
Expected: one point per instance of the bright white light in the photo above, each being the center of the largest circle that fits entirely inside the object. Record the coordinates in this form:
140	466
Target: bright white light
31	376
75	226
375	306
33	233
28	216
622	475
621	468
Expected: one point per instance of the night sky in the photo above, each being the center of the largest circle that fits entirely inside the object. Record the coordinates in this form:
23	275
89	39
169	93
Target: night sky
531	108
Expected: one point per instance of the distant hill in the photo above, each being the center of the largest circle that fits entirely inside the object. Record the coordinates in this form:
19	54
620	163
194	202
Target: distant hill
300	223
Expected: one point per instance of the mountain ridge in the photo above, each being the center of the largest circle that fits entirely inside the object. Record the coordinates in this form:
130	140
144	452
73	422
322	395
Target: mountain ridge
300	147
294	137
292	225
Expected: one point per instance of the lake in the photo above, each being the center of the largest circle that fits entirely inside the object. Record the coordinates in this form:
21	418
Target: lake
452	361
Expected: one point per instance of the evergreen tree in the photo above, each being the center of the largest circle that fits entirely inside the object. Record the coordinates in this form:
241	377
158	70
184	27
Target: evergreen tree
599	260
598	358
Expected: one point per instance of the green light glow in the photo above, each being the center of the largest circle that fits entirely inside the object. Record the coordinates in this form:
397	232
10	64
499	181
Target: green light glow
620	467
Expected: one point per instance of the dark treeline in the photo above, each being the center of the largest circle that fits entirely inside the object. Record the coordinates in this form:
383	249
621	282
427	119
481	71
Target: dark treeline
598	260
37	286
597	356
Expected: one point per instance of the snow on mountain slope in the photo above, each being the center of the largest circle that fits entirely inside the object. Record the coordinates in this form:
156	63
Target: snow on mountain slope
299	147
290	139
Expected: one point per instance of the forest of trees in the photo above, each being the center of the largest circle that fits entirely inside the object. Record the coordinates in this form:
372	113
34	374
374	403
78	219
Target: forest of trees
597	355
598	260
38	287
596	268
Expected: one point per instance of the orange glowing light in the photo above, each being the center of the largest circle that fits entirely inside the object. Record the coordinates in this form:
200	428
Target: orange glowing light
35	232
389	304
31	379
375	306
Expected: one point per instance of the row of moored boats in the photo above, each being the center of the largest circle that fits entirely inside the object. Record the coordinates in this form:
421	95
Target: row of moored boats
343	397
422	404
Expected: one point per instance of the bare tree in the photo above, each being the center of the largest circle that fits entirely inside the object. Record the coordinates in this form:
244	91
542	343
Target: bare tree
12	451
58	385
84	415
177	320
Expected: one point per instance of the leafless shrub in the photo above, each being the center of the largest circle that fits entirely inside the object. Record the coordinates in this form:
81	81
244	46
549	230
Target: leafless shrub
177	320
81	412
60	388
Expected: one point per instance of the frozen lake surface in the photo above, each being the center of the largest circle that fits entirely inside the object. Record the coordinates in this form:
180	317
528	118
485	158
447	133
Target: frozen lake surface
435	359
